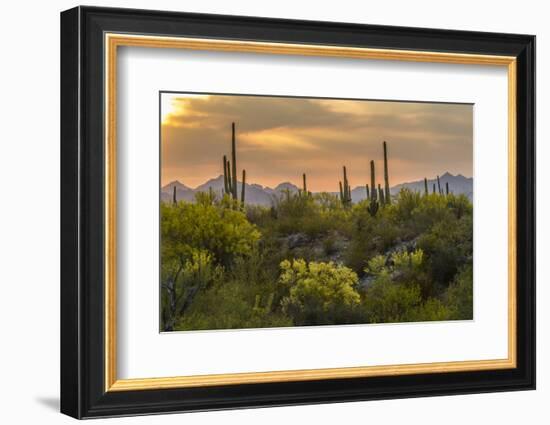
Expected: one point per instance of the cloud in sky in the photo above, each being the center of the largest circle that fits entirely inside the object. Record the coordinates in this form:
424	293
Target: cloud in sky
279	138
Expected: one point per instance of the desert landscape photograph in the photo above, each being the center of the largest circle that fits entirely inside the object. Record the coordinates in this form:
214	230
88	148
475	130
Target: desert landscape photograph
293	211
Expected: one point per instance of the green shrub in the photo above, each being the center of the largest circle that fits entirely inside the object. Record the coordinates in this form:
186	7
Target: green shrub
448	246
389	302
459	296
221	231
319	293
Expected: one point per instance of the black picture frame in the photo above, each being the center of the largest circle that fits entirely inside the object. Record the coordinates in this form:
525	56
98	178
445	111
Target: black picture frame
82	218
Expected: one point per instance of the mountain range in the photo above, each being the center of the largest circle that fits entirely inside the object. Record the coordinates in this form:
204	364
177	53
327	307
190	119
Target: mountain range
263	195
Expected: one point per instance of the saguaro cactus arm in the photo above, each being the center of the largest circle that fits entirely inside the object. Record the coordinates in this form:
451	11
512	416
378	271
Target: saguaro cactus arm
243	185
372	180
386	175
226	188
229	179
234	161
381	195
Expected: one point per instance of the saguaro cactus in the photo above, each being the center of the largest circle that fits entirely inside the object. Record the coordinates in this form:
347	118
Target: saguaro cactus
372	180
387	197
439	186
425	186
373	204
367	187
234	161
345	190
243	185
447	188
230	170
381	195
226	177
433	189
174	200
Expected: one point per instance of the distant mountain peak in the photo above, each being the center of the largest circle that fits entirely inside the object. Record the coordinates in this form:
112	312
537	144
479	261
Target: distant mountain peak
286	185
179	186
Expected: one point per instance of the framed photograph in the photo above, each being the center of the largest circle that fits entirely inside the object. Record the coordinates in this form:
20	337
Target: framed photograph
261	212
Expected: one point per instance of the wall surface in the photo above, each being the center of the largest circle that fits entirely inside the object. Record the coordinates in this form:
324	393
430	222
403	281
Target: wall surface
29	216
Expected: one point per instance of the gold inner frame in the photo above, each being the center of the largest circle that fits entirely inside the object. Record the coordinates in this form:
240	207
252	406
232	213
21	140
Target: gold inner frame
113	41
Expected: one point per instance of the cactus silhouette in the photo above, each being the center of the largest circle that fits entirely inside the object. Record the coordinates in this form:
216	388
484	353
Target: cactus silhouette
433	189
243	185
372	208
367	187
387	195
447	188
425	186
439	186
381	195
372	180
230	170
174	200
226	179
345	190
234	162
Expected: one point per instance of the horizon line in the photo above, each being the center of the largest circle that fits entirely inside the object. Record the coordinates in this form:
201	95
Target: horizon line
298	185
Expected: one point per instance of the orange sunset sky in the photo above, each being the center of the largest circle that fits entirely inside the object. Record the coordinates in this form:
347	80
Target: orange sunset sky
279	138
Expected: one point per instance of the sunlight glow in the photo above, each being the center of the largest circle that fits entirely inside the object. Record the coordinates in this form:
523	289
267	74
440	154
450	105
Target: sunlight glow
174	104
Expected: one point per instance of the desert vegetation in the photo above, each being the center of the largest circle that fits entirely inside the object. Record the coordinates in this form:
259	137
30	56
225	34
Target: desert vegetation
315	258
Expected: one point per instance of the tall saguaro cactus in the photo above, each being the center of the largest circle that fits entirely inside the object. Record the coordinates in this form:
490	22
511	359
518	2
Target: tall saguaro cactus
345	190
230	170
243	185
381	195
234	161
227	177
386	176
373	180
174	200
373	204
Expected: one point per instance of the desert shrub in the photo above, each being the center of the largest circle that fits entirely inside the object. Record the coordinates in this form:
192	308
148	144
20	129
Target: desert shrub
432	309
221	231
460	205
328	202
329	245
370	236
386	301
232	305
247	295
406	202
448	246
182	280
459	296
396	294
319	293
